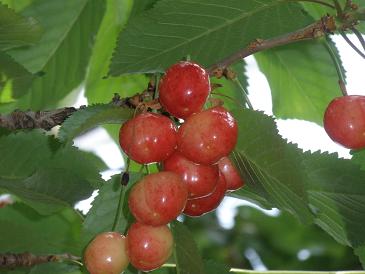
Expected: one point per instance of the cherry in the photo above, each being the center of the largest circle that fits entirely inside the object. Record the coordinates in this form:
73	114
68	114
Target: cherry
201	180
148	138
148	247
158	198
344	121
207	136
199	206
231	174
184	89
106	254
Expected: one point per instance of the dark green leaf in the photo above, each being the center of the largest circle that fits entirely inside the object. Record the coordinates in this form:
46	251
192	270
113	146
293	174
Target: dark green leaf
102	215
213	267
91	117
187	257
17	30
68	25
360	252
17	5
24	230
332	188
158	38
55	268
302	78
14	76
141	5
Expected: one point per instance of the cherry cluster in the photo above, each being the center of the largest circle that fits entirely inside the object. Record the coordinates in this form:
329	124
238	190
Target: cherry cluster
195	171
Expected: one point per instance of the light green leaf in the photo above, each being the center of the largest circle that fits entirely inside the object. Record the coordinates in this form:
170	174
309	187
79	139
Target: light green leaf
187	256
68	25
302	78
17	30
24	230
158	38
17	5
91	117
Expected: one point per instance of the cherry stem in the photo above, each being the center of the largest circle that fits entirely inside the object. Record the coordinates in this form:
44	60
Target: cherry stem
228	97
244	93
343	34
338	7
147	169
359	36
337	62
119	208
157	82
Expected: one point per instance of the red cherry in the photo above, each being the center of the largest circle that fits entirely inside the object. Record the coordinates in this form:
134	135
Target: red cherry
344	121
148	138
184	89
199	206
201	180
149	247
207	136
106	253
158	198
231	174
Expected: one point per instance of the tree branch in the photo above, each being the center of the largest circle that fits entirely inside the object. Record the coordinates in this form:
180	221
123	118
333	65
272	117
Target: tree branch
318	29
11	260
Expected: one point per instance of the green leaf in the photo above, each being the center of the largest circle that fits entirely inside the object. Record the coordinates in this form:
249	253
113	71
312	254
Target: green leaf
17	30
24	230
142	5
213	267
45	174
14	75
332	188
271	168
17	5
98	88
102	214
55	268
187	257
360	252
68	25
158	38
91	117
302	78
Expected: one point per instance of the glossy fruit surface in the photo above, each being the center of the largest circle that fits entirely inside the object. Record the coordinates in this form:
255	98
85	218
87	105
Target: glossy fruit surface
184	89
199	206
230	173
344	121
158	198
201	180
149	247
106	254
208	136
148	138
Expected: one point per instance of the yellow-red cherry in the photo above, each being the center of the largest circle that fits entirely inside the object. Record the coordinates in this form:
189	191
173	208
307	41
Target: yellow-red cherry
106	254
344	121
158	198
184	89
149	247
207	136
148	138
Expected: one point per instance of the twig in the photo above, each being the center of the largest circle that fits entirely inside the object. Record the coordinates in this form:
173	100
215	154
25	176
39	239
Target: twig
11	260
318	29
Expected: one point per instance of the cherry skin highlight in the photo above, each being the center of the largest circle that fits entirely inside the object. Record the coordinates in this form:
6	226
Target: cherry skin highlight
184	89
201	180
148	138
106	254
208	136
199	206
149	247
158	198
231	174
344	121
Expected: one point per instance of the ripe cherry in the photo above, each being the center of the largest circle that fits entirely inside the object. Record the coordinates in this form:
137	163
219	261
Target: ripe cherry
201	180
230	173
207	136
184	89
344	121
106	254
148	247
148	138
158	198
199	206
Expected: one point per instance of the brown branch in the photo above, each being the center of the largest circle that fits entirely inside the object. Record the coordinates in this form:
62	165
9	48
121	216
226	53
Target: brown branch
11	260
318	29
